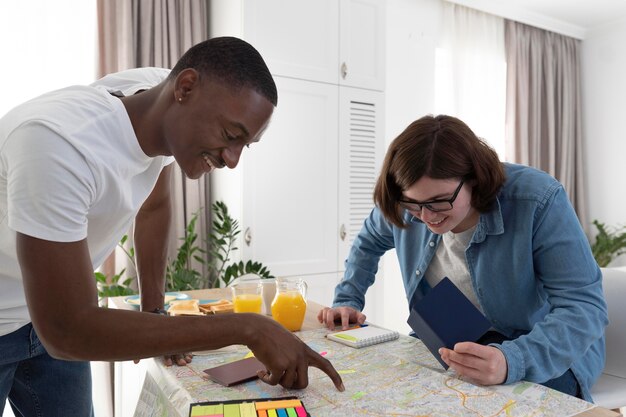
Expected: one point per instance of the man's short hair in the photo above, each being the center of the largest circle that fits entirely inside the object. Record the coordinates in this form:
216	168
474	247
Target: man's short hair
232	61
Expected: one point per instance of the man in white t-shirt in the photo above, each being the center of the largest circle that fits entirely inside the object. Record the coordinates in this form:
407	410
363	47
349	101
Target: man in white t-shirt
77	167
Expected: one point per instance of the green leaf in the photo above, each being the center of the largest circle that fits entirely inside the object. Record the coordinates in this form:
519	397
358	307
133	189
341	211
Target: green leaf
610	242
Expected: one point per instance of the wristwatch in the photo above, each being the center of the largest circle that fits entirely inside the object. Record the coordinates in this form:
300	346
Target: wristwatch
159	311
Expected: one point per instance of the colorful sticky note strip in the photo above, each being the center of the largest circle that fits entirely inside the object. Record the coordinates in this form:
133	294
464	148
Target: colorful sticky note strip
280	407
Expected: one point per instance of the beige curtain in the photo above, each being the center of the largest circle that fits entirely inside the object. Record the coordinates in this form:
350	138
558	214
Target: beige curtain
142	33
543	114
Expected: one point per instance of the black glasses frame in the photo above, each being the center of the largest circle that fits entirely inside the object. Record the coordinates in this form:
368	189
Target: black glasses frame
417	207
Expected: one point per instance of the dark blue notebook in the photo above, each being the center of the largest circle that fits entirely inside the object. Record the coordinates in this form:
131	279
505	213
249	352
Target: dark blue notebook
444	317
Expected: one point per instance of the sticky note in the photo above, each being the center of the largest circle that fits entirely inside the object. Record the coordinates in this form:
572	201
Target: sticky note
207	410
267	405
346	337
231	410
281	412
271	413
346	371
300	411
291	412
247	410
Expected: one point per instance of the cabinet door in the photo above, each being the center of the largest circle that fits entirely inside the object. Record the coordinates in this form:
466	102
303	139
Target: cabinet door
297	38
362	43
290	183
361	148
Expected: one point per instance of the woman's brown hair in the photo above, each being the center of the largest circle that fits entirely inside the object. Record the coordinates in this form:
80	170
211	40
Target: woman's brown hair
439	147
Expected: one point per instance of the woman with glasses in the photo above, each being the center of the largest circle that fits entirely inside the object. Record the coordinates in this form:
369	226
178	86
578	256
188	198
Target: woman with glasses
506	235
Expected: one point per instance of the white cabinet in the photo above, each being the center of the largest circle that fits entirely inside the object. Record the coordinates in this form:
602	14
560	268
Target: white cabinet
362	43
307	186
361	149
330	41
297	38
302	193
290	183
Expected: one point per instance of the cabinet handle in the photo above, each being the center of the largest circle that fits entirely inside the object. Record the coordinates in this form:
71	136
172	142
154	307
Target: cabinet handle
342	232
344	70
247	236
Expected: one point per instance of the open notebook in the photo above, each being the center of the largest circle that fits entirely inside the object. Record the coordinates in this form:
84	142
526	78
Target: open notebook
363	336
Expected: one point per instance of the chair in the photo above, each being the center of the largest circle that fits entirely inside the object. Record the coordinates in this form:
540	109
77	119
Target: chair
610	389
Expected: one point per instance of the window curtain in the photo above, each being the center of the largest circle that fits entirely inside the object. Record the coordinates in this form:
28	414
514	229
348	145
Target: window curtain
470	77
543	111
142	33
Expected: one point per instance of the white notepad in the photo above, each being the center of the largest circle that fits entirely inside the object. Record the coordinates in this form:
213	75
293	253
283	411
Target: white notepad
363	336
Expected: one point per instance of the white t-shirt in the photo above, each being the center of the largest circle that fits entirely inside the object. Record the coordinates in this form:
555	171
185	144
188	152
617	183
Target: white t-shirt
70	168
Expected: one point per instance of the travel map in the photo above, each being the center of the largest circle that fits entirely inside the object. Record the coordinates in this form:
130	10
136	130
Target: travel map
396	378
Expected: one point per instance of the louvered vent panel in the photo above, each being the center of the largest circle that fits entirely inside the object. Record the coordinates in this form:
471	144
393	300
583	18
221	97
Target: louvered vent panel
362	164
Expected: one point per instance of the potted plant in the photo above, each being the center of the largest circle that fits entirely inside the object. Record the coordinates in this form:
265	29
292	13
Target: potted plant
180	273
221	243
118	284
610	242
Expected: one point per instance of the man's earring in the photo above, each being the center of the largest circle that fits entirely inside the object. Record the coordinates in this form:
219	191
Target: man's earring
180	99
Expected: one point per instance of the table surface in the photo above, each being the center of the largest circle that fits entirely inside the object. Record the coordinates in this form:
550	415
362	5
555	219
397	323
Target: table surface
311	323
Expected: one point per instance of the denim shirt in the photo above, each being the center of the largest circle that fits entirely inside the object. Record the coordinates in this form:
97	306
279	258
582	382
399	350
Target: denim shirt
531	268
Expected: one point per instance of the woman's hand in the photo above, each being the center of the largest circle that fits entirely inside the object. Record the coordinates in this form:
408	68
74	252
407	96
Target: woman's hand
327	316
483	365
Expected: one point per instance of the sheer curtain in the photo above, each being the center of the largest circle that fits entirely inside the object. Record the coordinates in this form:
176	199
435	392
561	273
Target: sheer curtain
470	77
544	106
141	33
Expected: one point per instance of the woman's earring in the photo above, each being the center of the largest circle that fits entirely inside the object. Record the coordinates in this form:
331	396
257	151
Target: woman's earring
180	99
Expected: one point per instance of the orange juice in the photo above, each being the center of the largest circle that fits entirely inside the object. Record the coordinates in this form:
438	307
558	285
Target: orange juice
247	303
288	309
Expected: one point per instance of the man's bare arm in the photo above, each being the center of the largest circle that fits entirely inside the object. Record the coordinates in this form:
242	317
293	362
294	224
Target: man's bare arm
151	237
62	300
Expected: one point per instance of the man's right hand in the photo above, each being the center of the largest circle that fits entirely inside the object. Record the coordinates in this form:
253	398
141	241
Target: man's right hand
328	316
286	357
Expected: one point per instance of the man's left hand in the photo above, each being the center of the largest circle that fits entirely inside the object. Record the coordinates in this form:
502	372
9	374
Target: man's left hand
180	359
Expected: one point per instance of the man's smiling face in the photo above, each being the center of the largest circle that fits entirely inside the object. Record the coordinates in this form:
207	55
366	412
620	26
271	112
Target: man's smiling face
212	123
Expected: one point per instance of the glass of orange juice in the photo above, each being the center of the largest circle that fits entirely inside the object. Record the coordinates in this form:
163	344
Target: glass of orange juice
247	297
289	305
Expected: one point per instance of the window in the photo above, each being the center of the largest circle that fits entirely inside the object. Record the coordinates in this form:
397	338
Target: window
470	73
45	45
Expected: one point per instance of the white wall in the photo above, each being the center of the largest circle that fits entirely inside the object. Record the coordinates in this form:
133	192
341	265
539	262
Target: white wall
412	33
604	111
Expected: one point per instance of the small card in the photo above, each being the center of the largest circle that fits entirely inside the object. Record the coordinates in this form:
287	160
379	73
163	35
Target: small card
235	372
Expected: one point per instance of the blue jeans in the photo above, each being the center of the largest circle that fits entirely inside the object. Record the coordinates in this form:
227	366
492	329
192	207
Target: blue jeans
36	384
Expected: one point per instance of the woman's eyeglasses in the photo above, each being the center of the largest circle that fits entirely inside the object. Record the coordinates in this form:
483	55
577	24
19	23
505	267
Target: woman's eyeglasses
432	205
